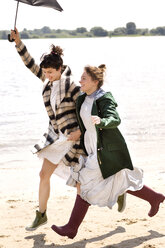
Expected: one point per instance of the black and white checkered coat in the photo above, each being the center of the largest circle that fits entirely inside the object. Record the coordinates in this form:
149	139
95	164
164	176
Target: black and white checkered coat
65	118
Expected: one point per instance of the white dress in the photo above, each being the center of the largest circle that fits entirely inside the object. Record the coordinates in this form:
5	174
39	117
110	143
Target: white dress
94	188
56	151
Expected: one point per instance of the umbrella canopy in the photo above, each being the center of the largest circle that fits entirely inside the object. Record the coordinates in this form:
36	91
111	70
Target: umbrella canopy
44	3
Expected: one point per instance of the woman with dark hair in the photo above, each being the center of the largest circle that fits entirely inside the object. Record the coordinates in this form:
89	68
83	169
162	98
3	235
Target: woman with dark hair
60	146
106	172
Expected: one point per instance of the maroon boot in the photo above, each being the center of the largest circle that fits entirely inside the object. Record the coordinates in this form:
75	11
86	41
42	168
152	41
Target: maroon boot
151	196
78	213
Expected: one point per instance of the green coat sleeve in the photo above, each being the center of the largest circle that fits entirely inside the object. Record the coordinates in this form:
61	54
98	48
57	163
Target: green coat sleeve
107	112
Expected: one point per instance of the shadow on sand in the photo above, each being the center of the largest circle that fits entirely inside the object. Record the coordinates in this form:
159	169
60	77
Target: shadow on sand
135	242
39	240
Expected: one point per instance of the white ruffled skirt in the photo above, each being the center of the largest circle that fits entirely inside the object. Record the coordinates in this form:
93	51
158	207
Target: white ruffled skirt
55	152
99	191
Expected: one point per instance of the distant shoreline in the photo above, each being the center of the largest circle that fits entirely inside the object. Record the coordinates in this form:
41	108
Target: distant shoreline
76	37
129	31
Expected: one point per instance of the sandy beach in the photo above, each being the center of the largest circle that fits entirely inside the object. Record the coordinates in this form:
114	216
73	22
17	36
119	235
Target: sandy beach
101	228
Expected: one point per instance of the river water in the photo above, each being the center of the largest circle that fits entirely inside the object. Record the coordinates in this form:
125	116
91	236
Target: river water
135	76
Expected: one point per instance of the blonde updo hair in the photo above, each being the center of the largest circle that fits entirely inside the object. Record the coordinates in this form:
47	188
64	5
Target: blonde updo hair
96	73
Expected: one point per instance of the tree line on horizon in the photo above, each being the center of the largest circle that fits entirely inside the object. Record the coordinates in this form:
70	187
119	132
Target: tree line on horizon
81	32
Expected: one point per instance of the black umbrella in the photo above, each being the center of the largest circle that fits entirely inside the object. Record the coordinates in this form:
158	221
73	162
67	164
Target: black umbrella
44	3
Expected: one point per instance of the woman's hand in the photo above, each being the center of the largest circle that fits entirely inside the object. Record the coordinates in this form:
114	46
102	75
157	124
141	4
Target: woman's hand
15	35
73	136
95	119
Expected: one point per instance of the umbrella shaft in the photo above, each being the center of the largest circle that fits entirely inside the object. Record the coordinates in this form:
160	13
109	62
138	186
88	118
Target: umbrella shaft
16	15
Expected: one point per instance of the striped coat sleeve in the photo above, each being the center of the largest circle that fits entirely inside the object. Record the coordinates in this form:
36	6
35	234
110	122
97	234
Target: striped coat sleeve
29	61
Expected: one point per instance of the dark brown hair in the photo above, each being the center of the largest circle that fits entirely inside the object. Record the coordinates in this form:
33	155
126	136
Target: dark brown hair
96	73
53	59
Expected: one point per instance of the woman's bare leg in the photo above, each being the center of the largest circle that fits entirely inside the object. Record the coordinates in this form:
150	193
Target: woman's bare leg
44	191
78	188
44	187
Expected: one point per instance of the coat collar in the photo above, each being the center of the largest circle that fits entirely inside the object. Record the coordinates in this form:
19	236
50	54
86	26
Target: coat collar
64	84
96	95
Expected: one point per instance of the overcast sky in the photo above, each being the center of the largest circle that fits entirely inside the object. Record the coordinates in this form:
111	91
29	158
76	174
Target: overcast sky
108	14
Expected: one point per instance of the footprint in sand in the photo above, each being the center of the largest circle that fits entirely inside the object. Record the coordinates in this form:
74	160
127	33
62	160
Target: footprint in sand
149	246
9	201
12	206
4	236
131	221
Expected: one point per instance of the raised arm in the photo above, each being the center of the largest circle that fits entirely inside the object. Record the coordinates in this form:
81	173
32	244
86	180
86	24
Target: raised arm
25	56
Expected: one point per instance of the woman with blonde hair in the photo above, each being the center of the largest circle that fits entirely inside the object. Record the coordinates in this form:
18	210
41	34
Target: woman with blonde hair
106	172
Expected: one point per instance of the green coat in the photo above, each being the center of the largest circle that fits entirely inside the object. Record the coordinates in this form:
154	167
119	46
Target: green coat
112	151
